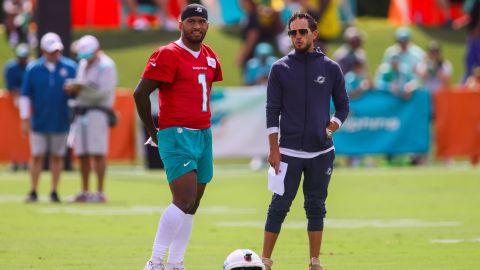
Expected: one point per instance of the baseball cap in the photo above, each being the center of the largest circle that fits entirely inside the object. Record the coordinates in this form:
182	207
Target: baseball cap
395	58
433	46
87	46
22	50
194	10
403	34
263	49
351	33
51	42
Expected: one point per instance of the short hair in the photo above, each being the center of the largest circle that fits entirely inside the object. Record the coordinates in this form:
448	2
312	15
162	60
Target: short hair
312	24
433	46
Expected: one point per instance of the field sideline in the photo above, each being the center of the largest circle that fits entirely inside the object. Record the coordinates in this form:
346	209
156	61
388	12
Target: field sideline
386	218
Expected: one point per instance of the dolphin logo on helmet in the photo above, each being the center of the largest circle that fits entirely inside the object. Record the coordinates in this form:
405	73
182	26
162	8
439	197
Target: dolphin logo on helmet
243	259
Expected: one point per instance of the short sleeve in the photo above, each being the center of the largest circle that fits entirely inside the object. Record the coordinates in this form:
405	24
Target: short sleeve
447	68
161	66
26	89
218	75
8	74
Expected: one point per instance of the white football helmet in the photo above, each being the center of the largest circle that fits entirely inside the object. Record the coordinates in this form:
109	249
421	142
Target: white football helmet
243	259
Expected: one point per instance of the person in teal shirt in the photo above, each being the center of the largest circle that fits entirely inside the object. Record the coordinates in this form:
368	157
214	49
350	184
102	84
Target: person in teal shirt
402	82
396	78
356	80
258	67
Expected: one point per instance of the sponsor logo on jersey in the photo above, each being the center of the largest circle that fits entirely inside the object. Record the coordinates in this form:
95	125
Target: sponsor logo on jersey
63	72
199	68
212	62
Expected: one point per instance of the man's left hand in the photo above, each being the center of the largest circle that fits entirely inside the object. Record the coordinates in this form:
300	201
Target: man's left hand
333	126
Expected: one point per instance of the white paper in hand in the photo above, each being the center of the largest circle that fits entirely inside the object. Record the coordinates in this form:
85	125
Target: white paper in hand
150	142
276	181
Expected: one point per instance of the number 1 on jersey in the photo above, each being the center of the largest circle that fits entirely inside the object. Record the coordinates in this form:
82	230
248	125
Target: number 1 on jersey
202	79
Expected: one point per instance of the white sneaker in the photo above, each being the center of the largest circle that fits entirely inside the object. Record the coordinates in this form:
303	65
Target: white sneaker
268	263
315	264
98	197
176	266
81	197
152	266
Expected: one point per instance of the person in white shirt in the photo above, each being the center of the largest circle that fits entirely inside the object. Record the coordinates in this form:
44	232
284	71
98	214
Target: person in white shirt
94	86
434	71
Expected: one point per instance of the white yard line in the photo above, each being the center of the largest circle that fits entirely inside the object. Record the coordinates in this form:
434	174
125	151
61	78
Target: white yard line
455	241
11	198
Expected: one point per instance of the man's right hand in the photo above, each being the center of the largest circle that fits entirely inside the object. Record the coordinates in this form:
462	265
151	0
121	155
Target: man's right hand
274	158
153	135
25	126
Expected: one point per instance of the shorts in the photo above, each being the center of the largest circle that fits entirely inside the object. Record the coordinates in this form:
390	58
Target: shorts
56	143
183	150
90	133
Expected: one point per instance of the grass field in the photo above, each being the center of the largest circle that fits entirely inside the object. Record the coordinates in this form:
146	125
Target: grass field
131	49
381	219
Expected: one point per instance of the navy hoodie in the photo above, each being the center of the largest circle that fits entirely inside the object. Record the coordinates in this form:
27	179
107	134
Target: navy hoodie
299	89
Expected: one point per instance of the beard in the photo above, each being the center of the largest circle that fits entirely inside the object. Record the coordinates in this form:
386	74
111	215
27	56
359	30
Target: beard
304	49
194	39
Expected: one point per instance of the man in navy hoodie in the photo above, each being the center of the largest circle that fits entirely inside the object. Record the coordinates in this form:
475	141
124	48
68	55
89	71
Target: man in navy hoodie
299	90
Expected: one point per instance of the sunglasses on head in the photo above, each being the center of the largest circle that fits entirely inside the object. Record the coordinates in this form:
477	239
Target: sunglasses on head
302	32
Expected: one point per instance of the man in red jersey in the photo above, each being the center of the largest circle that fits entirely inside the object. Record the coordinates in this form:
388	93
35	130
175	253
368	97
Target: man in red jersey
183	71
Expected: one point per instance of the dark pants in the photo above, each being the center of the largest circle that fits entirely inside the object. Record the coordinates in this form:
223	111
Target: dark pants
317	172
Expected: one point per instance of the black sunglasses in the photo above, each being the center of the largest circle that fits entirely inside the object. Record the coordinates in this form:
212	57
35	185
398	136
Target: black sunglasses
302	32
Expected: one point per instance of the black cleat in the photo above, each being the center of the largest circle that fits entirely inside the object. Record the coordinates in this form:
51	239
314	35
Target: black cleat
54	197
32	197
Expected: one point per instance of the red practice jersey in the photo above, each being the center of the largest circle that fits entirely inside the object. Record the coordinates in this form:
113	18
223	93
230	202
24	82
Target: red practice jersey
184	99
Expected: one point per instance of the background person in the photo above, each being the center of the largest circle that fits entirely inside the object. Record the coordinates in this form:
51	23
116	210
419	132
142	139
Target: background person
408	54
13	76
94	87
15	69
18	14
357	81
351	51
262	24
473	81
258	67
434	71
396	78
44	111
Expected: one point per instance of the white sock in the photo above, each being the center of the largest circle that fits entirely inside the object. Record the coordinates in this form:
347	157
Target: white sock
180	243
170	222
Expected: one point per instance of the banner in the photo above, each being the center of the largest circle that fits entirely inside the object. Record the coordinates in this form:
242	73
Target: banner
14	146
380	123
239	122
457	123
